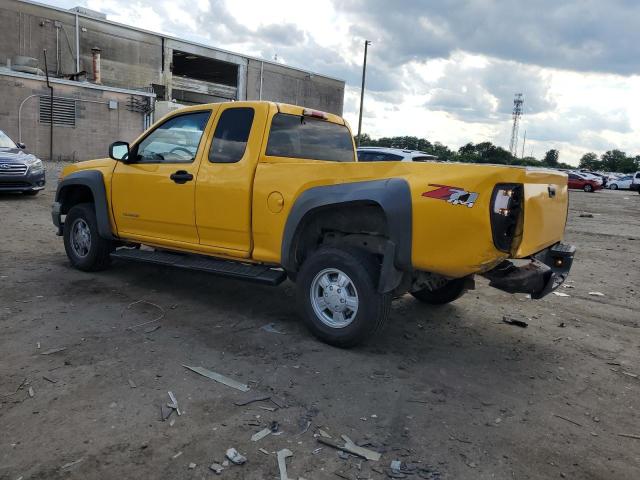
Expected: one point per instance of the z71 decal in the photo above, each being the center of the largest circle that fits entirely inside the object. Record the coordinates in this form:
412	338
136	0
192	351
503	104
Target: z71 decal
452	195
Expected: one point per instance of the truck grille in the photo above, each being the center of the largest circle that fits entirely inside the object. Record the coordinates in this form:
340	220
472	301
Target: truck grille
12	169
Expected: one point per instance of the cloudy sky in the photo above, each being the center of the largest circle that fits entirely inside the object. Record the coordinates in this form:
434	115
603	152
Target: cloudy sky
446	70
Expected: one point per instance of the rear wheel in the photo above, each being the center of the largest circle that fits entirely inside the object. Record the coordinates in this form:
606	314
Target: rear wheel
588	188
449	292
85	248
337	291
613	186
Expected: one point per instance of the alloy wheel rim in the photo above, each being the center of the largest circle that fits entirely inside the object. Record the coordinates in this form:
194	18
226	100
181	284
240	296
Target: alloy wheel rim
334	298
80	237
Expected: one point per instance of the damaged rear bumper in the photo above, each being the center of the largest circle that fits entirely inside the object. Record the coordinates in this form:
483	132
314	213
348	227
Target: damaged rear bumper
546	271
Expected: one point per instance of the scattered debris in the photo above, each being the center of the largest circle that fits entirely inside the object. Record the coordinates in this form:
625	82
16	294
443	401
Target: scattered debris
235	457
54	350
306	428
260	435
395	466
31	392
192	466
260	398
271	328
282	462
165	412
316	451
49	379
71	464
263	451
350	447
586	215
562	325
279	402
514	321
596	294
560	294
216	467
567	419
152	329
174	403
177	455
323	433
219	378
629	435
268	409
629	374
132	384
137	302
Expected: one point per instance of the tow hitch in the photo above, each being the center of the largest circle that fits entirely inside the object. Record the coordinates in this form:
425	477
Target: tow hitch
546	271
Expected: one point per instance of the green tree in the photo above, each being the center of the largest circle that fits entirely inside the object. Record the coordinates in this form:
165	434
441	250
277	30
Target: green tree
590	161
615	161
551	158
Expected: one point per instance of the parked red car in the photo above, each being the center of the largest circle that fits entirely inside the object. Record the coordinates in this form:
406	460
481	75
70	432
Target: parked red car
581	183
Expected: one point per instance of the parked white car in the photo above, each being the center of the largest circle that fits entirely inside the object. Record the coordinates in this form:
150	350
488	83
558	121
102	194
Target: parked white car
635	183
384	154
622	183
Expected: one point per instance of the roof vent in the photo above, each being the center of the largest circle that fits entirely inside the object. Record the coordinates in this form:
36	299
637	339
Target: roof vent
88	12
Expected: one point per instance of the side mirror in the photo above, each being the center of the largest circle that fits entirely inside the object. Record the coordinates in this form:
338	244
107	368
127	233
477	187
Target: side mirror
21	145
119	151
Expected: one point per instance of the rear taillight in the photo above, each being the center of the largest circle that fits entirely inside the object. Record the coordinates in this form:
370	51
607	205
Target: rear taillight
506	214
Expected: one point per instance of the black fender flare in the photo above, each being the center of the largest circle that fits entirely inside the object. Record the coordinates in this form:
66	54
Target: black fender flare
94	180
393	195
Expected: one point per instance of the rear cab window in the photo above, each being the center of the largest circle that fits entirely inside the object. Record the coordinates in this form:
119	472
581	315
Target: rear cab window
298	136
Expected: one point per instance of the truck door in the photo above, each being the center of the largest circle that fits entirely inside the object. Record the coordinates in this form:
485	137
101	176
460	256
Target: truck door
153	192
225	179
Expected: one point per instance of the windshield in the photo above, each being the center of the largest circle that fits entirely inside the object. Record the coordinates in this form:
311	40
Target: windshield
5	141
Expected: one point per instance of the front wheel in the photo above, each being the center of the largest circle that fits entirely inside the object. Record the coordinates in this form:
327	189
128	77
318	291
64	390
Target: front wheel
613	186
450	291
85	248
587	188
337	291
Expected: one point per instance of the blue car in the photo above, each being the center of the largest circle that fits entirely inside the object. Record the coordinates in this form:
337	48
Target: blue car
19	171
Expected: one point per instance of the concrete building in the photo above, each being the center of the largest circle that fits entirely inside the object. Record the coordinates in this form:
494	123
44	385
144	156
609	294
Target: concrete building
110	80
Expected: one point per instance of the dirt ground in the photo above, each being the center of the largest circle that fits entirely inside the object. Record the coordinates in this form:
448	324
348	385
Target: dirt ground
452	391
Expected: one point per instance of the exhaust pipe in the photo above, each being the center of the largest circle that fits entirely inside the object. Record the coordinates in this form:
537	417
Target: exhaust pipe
97	76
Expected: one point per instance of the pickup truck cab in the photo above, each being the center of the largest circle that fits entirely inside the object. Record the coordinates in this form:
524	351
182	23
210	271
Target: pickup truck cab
264	191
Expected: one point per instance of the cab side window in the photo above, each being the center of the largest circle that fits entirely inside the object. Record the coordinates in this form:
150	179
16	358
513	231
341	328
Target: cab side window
175	141
231	135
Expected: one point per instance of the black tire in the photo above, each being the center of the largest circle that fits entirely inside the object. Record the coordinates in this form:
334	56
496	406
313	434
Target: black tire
363	271
31	193
450	292
98	249
613	186
588	188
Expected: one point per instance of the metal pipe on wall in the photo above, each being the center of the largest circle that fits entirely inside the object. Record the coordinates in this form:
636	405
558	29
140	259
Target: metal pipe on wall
50	87
77	44
261	76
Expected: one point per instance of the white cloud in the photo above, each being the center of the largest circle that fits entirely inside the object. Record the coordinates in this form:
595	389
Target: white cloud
436	71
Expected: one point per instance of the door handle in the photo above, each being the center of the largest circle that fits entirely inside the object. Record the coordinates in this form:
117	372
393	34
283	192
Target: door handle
181	176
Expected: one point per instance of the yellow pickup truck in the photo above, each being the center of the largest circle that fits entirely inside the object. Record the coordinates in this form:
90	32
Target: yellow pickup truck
263	191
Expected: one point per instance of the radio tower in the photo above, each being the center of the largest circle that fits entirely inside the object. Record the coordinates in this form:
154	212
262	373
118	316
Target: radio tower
518	101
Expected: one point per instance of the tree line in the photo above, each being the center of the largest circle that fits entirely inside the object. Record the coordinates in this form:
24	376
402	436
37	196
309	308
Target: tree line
486	152
611	161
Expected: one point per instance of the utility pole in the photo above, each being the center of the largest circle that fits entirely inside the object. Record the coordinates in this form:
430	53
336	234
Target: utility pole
364	76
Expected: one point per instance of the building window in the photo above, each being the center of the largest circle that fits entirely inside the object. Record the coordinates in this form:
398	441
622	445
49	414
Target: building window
64	111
